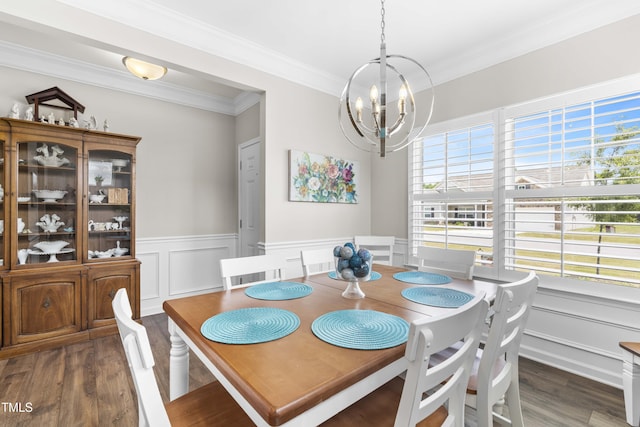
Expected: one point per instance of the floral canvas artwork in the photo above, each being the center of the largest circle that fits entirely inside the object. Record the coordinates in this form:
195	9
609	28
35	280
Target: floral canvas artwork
320	178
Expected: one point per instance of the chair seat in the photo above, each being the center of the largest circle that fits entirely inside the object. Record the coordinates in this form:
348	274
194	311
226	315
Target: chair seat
379	408
472	387
209	405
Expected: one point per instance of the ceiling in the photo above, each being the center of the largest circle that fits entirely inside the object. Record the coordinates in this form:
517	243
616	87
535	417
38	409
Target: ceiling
321	43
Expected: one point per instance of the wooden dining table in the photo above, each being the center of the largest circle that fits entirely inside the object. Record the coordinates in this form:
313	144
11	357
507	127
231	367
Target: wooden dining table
297	380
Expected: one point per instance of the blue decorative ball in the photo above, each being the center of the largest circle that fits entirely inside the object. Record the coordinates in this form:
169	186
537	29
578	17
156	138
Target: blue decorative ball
347	274
346	252
355	262
342	264
363	271
336	251
364	254
350	245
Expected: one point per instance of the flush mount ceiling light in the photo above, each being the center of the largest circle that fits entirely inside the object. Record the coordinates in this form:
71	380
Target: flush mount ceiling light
144	70
374	127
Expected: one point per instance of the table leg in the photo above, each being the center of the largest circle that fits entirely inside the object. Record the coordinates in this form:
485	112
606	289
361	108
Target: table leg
178	364
631	384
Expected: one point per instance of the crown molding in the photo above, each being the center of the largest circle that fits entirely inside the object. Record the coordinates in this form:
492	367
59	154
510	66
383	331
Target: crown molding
150	17
244	101
35	61
169	24
572	23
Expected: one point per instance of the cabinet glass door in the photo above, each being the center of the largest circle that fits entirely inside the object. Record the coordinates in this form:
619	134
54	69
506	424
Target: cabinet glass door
109	210
47	201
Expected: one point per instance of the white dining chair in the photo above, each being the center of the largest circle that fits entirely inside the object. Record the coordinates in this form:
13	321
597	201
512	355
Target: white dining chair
381	247
412	402
494	379
209	405
456	263
316	261
258	268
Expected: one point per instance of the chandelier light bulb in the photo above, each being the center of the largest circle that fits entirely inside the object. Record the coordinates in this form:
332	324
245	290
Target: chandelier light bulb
402	93
373	94
359	105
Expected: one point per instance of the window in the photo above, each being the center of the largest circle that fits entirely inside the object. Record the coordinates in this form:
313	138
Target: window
552	185
452	188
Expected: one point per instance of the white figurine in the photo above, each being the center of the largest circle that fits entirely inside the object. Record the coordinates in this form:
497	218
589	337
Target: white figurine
52	119
91	124
28	115
61	121
106	125
74	123
15	112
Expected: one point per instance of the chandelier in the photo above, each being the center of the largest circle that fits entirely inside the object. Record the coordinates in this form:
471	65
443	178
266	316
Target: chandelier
382	126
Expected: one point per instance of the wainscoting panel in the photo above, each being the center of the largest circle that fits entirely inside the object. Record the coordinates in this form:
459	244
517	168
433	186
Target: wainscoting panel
176	267
149	275
580	333
192	270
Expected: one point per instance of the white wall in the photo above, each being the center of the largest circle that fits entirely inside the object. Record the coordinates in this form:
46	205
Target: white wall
304	119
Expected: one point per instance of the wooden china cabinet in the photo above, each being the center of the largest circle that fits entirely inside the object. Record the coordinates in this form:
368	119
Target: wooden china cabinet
68	233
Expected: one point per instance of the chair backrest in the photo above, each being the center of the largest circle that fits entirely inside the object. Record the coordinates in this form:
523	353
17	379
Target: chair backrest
140	358
449	378
511	310
270	267
315	261
381	247
452	262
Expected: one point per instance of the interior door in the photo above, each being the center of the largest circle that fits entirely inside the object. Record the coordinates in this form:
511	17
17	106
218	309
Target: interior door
249	197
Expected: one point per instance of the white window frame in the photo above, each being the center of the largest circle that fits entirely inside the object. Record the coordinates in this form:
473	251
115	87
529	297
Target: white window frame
499	117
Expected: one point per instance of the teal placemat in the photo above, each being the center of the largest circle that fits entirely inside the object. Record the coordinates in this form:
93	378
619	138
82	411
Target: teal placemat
250	325
361	329
437	297
374	275
275	291
422	278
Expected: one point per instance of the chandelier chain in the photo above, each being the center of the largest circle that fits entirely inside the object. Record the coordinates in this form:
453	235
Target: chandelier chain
382	23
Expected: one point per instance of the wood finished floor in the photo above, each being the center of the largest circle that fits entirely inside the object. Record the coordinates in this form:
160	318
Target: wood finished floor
88	384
